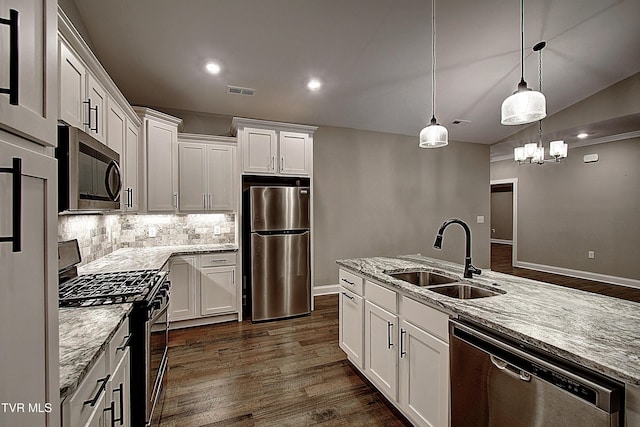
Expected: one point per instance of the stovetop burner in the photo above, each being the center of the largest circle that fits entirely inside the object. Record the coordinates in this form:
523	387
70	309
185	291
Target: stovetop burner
107	288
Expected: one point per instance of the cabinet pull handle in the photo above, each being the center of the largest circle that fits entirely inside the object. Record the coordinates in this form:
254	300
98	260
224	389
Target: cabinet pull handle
389	327
175	200
120	419
103	385
273	163
89	110
130	197
127	343
348	296
402	335
14	62
233	277
15	238
282	164
111	408
204	200
348	282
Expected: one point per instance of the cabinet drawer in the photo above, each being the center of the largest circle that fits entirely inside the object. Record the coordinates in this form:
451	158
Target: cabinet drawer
351	281
214	260
382	297
78	408
427	318
118	344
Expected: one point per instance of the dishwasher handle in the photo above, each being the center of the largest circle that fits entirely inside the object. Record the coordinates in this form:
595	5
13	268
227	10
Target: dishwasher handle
509	369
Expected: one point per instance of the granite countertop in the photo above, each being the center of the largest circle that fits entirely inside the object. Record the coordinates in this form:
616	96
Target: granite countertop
84	333
599	332
152	258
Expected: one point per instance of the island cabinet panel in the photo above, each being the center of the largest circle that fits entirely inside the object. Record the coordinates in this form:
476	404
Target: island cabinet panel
424	376
352	326
405	347
381	355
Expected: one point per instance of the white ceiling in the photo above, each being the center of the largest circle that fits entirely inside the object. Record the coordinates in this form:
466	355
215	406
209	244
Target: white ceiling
373	56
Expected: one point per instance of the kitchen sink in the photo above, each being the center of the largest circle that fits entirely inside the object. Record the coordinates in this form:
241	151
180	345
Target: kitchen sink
423	277
463	291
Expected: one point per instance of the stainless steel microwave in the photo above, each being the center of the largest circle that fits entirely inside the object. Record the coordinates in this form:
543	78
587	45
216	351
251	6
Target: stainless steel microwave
89	176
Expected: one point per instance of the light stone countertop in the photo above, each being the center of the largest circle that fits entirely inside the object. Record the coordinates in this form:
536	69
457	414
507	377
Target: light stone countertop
599	332
84	333
151	258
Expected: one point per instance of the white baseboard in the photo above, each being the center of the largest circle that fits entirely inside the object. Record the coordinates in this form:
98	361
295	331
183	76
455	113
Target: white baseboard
502	242
624	281
326	289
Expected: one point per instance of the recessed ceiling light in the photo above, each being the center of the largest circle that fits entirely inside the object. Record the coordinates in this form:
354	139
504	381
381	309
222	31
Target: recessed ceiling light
213	68
314	84
582	135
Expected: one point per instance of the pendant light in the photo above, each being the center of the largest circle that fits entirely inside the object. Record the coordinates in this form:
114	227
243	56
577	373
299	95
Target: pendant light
533	153
434	135
525	105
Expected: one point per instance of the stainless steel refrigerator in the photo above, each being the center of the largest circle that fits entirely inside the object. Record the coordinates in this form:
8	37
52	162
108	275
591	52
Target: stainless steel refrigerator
280	252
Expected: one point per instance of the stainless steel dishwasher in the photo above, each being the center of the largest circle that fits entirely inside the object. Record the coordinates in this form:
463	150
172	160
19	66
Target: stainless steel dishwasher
498	382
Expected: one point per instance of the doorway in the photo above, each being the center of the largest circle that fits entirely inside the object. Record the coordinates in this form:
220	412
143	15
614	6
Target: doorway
504	224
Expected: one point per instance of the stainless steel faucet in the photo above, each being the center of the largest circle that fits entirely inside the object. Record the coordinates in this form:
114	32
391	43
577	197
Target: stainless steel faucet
469	269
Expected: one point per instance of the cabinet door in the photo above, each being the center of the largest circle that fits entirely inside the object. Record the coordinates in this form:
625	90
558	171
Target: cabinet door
220	174
183	276
218	290
96	104
162	174
116	127
130	160
73	81
118	407
259	147
352	326
424	376
28	290
295	154
381	354
32	113
193	177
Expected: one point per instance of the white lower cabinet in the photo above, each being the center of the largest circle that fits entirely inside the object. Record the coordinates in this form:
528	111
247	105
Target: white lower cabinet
202	287
352	326
401	346
381	364
102	398
424	376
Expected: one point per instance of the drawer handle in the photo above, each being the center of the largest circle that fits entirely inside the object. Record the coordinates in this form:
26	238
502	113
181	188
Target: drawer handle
111	408
14	73
103	385
389	327
348	296
15	238
127	343
348	282
120	419
402	334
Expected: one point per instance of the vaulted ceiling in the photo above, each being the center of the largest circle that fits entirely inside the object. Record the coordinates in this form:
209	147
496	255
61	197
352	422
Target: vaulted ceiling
373	57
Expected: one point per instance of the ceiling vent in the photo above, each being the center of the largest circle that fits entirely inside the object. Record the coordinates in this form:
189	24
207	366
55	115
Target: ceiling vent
237	90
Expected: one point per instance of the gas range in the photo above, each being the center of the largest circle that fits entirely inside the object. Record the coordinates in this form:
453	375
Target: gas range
110	288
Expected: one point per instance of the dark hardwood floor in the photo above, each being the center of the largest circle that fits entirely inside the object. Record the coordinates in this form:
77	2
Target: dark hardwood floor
285	373
501	262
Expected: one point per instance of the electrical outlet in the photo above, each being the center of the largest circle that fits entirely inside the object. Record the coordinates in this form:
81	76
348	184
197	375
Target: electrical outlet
216	230
153	231
591	254
480	219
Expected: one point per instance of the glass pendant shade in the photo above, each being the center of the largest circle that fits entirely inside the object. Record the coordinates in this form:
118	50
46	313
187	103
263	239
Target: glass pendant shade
530	149
518	154
434	136
524	106
558	149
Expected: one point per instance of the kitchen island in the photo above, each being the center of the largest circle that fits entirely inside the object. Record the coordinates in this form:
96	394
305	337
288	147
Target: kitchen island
594	331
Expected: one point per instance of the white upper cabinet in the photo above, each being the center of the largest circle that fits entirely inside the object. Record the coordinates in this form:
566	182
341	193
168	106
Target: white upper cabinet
159	150
116	127
97	109
207	173
73	83
28	72
272	148
130	202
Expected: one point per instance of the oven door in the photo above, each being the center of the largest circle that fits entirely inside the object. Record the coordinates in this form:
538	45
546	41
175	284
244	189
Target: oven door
157	336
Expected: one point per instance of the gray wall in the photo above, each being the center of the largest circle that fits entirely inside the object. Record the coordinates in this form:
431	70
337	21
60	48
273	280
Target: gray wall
502	215
379	194
568	209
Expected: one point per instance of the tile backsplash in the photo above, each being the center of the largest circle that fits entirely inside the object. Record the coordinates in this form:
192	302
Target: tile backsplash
99	235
